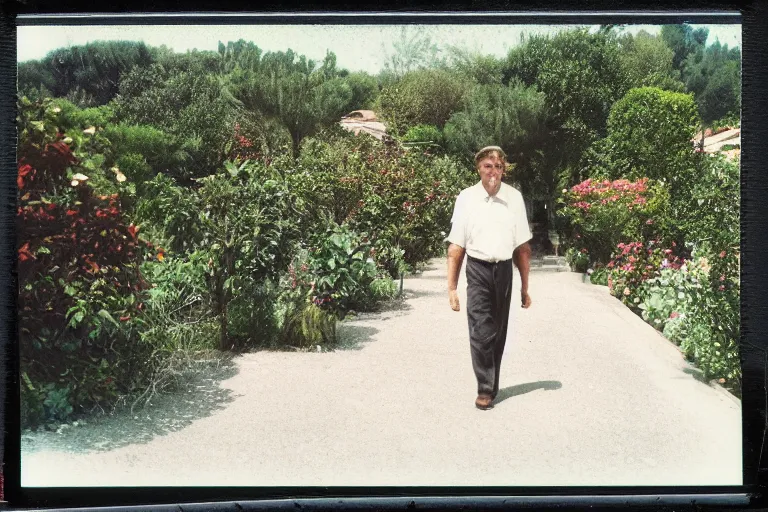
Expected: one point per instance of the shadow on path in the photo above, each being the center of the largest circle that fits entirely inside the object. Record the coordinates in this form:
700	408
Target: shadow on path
417	294
353	337
169	412
521	389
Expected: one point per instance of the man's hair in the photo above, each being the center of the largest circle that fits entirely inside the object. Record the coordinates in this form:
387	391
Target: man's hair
486	151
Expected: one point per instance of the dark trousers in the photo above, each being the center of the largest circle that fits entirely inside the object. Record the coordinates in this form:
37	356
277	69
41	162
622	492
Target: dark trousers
489	293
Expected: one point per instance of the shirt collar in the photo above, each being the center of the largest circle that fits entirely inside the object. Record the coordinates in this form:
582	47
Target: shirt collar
501	196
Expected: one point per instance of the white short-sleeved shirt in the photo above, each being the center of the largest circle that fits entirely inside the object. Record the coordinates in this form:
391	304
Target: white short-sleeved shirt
489	228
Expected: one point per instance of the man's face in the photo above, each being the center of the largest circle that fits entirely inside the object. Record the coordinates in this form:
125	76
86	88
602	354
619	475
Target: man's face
491	170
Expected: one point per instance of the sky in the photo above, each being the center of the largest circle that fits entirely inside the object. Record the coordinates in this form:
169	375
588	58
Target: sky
357	48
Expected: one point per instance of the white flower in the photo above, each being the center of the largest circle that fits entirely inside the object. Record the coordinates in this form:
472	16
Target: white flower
90	131
80	177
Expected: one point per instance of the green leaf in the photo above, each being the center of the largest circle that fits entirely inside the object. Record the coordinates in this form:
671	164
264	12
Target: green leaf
27	381
332	263
103	313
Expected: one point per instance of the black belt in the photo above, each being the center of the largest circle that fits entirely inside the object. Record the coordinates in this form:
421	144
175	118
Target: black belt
488	263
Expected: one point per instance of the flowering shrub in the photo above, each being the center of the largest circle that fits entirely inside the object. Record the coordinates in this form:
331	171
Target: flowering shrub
80	289
634	263
603	213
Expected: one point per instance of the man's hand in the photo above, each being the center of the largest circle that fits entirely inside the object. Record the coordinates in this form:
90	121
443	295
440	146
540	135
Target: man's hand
453	298
525	299
455	259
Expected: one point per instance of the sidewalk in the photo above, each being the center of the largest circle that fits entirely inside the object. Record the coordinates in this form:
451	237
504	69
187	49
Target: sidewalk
591	395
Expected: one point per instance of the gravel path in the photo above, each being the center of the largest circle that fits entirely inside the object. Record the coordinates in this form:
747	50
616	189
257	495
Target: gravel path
591	395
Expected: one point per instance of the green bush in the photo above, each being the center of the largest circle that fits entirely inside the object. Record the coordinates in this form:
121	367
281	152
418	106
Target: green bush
342	270
712	217
401	199
578	259
246	221
599	275
666	296
325	282
707	325
649	136
189	105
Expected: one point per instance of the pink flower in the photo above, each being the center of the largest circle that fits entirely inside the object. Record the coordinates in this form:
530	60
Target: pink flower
626	291
721	288
649	221
722	254
674	314
722	278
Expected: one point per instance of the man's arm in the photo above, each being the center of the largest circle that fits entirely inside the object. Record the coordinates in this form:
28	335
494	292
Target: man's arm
455	259
522	259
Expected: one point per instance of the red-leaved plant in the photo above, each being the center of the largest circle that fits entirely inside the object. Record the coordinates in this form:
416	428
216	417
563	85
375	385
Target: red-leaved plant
80	290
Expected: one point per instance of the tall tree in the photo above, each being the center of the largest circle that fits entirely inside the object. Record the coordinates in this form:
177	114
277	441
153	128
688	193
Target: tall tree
294	90
190	105
647	61
714	77
683	41
90	73
427	96
581	76
513	117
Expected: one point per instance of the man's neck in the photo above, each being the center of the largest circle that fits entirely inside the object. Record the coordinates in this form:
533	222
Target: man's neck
491	192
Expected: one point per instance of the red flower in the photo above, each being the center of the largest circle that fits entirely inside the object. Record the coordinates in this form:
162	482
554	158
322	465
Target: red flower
125	318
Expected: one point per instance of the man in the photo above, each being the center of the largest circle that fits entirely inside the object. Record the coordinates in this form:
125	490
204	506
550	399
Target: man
490	226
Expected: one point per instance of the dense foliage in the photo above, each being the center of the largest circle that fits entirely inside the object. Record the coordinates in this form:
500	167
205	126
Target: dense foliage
174	204
80	285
